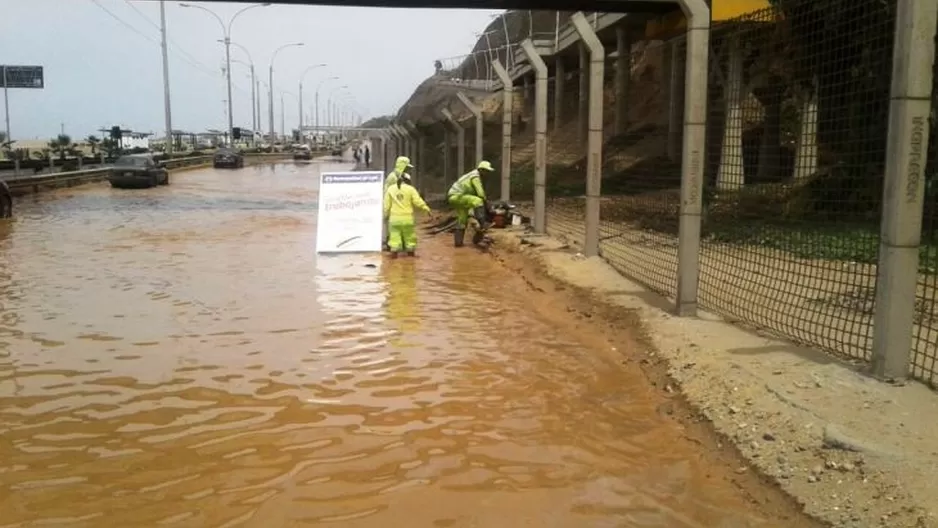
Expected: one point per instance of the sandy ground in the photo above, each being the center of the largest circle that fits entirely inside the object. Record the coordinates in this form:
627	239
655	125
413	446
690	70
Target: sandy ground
853	451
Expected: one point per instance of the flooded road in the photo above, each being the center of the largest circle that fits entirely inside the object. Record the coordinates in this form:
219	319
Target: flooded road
179	356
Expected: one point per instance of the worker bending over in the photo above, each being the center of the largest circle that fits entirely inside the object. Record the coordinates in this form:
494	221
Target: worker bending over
401	164
400	200
467	197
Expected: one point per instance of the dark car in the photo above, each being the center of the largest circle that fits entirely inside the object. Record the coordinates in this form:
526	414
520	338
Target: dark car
137	171
337	152
303	153
229	158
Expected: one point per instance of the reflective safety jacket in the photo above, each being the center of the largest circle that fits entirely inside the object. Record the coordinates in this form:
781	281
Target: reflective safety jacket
469	183
400	202
395	174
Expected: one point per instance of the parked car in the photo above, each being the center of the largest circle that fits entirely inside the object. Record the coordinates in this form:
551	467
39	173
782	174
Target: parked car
303	153
137	171
230	158
337	152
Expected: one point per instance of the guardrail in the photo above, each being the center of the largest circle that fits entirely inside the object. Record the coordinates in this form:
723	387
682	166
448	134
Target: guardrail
20	185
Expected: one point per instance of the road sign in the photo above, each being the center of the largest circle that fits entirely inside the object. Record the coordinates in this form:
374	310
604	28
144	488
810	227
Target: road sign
21	77
350	212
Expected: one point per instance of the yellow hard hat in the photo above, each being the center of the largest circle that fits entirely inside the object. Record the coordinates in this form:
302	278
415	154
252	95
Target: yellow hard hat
486	166
403	160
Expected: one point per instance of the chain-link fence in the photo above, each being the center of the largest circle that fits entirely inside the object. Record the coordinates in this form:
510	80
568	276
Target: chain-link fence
797	120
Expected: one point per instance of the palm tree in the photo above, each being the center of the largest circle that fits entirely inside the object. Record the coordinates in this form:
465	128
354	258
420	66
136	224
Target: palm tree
110	146
93	141
62	144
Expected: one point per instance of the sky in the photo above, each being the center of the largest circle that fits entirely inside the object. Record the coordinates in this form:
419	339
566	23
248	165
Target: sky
101	71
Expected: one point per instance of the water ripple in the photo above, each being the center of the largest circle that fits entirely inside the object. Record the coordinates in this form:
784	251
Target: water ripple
181	357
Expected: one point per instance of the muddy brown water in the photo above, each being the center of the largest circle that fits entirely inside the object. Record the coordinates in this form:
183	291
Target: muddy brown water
179	356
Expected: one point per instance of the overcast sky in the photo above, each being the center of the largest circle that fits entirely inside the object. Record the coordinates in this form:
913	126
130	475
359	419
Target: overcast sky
100	72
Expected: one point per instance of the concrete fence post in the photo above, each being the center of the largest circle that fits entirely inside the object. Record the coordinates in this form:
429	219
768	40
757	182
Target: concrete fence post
399	141
560	78
540	135
398	144
582	120
460	142
409	142
375	145
405	140
447	152
697	13
904	187
416	152
594	147
388	149
507	103
675	98
623	76
477	114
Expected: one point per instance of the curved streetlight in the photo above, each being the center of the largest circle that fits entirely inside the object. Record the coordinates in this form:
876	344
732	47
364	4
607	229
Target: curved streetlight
226	32
329	104
270	82
318	87
283	120
255	96
302	76
344	101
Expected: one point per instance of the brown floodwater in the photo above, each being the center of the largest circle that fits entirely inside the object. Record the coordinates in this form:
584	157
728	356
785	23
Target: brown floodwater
180	356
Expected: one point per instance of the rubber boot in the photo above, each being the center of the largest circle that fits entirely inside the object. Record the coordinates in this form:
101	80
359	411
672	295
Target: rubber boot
394	254
459	236
479	214
411	253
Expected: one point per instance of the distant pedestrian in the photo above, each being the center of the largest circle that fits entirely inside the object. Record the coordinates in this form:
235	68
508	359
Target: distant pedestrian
357	155
367	156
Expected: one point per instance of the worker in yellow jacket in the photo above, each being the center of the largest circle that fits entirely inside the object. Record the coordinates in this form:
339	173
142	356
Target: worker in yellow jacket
401	164
400	200
467	198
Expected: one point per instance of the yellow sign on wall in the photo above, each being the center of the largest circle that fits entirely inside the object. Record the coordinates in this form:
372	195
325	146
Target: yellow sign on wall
721	10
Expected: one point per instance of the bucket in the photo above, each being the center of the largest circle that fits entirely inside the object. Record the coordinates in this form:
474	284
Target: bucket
515	219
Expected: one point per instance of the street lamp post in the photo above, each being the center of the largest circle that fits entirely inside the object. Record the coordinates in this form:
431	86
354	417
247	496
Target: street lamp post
313	67
322	82
270	81
226	31
255	100
167	108
330	106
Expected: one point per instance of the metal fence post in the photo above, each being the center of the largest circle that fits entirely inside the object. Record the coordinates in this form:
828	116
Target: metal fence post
507	102
594	147
692	164
477	114
904	186
460	142
540	136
